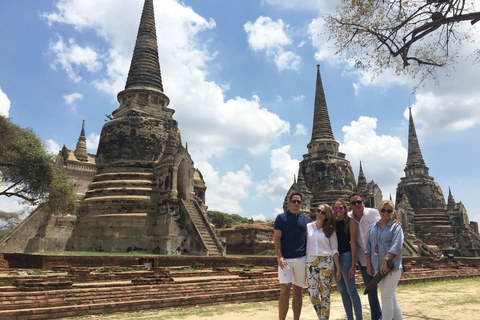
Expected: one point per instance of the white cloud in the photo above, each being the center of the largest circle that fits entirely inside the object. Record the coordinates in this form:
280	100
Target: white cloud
270	36
383	157
71	99
300	130
259	217
52	147
11	204
265	34
299	98
225	192
70	57
4	104
284	168
92	142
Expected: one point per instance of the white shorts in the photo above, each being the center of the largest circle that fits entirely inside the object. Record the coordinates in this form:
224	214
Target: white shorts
294	272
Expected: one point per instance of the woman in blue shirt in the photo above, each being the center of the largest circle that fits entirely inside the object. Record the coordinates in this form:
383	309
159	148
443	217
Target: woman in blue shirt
385	241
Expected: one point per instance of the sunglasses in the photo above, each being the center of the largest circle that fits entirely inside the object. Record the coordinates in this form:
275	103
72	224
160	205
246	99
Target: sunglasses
321	212
337	208
296	201
356	202
388	211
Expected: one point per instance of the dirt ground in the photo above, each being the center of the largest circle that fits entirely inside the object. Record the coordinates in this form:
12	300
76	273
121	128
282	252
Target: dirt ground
429	301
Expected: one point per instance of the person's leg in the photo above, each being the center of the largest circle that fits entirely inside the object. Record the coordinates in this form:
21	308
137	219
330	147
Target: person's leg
342	287
375	309
390	307
312	286
299	281
325	285
283	302
351	288
285	277
297	302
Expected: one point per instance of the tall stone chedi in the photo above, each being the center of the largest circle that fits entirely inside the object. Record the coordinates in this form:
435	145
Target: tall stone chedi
324	174
146	195
421	207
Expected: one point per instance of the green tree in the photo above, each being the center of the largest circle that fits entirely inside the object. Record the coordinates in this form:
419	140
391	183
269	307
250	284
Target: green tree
409	36
218	216
29	173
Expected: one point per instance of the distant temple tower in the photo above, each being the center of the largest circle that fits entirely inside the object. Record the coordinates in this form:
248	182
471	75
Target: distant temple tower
421	207
325	171
370	191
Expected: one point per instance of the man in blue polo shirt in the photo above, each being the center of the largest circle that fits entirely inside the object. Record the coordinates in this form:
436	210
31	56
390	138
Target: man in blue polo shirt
290	244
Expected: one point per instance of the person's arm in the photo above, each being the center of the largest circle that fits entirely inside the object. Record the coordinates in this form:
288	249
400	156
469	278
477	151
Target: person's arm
277	236
368	251
395	247
370	269
337	266
353	247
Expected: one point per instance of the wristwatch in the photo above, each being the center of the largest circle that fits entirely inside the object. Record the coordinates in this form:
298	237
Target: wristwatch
386	258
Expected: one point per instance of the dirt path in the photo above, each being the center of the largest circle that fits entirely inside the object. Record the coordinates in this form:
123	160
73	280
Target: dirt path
429	301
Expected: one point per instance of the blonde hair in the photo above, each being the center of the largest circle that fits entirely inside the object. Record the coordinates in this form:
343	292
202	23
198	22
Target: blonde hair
384	202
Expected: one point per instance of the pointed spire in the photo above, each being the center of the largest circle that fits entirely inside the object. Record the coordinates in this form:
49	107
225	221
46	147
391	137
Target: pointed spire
362	181
321	121
81	148
451	200
414	158
145	67
322	135
294	179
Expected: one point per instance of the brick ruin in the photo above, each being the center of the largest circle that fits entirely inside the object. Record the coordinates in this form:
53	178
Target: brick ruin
97	287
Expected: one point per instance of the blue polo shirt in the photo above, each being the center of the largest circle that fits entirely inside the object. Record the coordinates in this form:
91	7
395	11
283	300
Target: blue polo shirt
294	238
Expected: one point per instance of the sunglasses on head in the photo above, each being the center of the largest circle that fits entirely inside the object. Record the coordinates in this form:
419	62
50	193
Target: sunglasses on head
388	211
337	208
296	201
356	202
321	212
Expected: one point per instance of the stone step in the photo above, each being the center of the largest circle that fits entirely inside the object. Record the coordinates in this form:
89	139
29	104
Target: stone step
124	199
120	183
128	191
123	176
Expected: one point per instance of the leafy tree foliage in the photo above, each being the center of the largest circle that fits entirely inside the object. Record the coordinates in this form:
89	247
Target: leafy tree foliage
29	173
410	36
219	216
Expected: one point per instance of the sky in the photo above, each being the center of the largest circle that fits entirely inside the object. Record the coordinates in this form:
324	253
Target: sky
240	75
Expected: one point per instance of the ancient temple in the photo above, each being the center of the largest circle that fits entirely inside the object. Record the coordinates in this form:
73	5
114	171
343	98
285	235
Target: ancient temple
421	207
141	191
324	174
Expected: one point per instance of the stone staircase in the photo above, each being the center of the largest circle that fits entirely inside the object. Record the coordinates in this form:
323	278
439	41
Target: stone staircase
432	226
209	238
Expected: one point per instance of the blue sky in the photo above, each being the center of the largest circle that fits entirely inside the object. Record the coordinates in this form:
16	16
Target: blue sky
240	75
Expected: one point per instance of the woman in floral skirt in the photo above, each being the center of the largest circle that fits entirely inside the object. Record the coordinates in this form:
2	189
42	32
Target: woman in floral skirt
322	256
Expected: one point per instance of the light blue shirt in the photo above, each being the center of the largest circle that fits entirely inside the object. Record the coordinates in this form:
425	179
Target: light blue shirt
388	239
